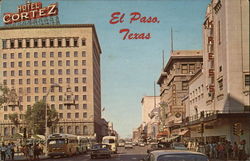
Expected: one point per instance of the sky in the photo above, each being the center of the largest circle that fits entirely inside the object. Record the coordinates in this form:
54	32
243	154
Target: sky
130	67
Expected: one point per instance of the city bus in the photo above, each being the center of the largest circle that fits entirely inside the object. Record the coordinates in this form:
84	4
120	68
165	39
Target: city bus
112	141
83	143
62	145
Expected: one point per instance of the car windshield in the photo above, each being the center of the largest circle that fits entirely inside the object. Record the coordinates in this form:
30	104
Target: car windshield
100	146
108	141
179	157
56	141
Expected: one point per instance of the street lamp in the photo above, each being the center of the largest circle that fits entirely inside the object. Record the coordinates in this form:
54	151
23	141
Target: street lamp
46	115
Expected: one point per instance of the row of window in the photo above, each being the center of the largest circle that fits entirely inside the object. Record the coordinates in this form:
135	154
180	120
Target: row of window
44	72
196	92
60	107
53	98
44	63
71	115
44	81
196	99
187	68
43	55
42	42
69	129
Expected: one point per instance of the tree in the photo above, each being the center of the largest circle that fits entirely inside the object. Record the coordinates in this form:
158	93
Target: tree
14	119
35	117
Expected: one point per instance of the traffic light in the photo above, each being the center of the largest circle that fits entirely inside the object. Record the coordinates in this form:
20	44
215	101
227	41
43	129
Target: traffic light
237	129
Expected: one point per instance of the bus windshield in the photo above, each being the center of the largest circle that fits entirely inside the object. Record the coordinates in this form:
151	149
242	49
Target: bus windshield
57	141
108	141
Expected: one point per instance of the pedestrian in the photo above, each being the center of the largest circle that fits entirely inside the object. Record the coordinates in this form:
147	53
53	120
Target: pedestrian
235	150
207	149
8	150
3	152
242	152
12	151
30	152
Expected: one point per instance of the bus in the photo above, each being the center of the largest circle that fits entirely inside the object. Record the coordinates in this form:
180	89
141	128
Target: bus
112	141
83	143
62	145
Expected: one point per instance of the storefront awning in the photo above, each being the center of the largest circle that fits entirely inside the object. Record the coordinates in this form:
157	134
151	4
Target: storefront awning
183	132
172	138
162	134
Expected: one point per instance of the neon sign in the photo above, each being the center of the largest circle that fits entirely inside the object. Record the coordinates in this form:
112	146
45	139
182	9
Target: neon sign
30	11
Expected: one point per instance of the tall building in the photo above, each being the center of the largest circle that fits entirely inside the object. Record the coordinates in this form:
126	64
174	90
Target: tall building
174	86
221	92
35	58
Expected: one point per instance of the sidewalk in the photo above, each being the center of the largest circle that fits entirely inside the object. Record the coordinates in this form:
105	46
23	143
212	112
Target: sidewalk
23	158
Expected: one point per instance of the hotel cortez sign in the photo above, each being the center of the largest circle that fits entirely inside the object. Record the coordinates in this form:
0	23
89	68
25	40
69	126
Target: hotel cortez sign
30	11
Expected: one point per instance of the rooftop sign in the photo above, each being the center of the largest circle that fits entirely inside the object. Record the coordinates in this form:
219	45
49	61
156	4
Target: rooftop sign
30	11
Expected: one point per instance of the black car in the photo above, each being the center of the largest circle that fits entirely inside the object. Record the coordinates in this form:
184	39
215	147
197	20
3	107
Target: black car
100	151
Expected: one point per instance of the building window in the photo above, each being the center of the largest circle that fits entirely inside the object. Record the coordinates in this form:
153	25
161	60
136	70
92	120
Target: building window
83	62
52	72
12	44
52	98
12	73
4	64
247	80
27	81
184	85
35	72
35	63
36	98
83	53
59	54
77	129
84	88
27	63
27	43
184	68
76	80
19	44
67	54
84	106
28	98
60	80
60	98
5	108
51	63
28	90
60	106
85	130
219	36
76	89
68	71
44	89
60	115
44	63
27	55
4	56
220	83
84	80
5	73
59	63
84	97
12	64
59	42
61	130
19	55
36	89
12	56
20	81
68	80
12	81
35	54
60	71
76	115
20	64
84	114
191	68
35	43
51	42
68	115
75	42
5	82
52	81
44	72
67	43
67	62
4	42
84	71
69	130
83	42
220	69
43	43
20	72
44	80
5	118
51	54
76	97
44	54
76	71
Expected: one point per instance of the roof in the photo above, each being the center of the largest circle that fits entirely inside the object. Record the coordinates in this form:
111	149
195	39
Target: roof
179	54
55	26
173	152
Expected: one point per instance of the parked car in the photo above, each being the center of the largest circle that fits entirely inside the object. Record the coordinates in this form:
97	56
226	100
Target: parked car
178	146
121	144
158	146
128	145
100	151
175	155
141	144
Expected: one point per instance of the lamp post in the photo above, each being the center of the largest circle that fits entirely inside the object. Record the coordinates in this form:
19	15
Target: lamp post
46	116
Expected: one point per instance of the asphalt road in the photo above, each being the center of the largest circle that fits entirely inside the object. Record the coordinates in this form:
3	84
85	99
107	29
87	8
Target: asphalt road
134	154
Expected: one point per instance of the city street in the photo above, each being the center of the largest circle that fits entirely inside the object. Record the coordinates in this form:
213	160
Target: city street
136	153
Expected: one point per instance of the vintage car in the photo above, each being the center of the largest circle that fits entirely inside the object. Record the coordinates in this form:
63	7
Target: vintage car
175	155
100	151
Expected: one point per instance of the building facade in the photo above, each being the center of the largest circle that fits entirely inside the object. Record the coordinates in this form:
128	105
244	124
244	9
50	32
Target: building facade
225	79
174	86
35	58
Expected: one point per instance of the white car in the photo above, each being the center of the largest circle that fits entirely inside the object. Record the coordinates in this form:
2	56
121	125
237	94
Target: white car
128	145
142	144
175	155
